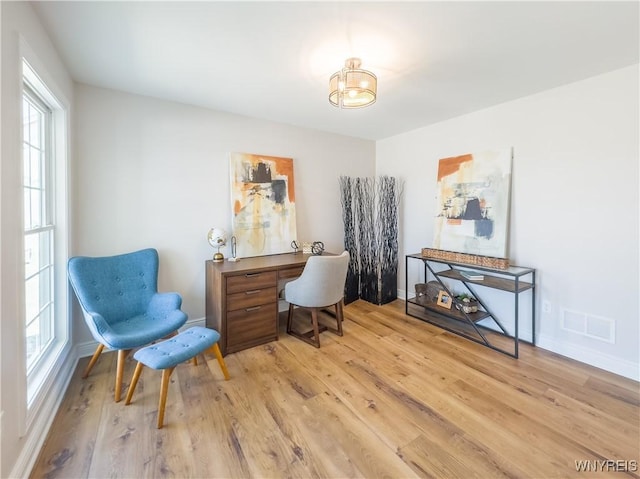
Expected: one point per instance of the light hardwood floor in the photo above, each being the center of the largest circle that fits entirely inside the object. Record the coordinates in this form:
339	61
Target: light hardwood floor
394	397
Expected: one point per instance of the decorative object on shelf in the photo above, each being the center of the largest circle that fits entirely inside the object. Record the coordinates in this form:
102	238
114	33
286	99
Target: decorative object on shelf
427	292
421	289
217	238
462	258
317	248
466	303
473	203
234	249
294	246
263	204
352	87
444	299
472	275
370	217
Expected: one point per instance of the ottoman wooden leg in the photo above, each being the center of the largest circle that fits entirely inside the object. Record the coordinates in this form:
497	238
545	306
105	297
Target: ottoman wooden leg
134	382
216	350
166	374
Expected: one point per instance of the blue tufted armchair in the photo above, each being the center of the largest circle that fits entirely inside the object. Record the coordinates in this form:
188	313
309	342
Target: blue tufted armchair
121	304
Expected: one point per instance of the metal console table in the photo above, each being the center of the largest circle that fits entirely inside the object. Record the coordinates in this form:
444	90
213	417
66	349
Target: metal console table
483	326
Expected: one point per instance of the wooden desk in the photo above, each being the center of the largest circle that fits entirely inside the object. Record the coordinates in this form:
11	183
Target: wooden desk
242	298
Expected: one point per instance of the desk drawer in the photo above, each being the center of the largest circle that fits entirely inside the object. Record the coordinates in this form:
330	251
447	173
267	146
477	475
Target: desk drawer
251	298
253	326
250	281
290	273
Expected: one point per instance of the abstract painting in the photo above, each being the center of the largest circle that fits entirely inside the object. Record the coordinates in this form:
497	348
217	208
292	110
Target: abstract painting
474	192
263	203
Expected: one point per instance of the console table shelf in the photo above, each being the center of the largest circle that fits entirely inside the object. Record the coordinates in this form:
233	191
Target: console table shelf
482	326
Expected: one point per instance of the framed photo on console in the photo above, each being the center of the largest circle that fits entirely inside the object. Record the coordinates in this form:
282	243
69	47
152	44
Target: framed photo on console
444	299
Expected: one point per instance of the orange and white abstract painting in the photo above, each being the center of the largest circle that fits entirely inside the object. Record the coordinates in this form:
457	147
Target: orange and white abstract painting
263	203
474	193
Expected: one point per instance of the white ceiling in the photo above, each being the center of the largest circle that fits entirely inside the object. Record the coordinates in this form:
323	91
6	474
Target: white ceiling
272	60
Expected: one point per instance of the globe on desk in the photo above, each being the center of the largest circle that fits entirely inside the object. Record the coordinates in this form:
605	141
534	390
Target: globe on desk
217	238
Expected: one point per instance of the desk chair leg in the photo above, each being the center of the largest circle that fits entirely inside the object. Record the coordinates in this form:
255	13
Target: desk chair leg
122	356
134	383
339	316
316	330
290	319
94	358
216	350
166	374
312	337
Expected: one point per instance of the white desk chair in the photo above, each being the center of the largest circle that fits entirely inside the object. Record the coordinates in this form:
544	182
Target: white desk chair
320	286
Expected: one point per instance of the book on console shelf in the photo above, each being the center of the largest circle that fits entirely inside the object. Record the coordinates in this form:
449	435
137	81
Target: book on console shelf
473	275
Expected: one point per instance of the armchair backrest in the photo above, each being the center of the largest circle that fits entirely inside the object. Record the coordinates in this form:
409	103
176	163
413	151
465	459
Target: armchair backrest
321	282
116	287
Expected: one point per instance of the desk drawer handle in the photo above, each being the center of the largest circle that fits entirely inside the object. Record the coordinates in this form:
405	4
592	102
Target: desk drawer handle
251	275
253	291
255	308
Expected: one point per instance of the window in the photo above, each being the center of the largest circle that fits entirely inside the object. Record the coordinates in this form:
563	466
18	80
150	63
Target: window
38	226
44	217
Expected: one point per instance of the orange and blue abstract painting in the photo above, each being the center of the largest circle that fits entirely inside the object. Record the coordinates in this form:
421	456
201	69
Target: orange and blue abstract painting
263	203
474	193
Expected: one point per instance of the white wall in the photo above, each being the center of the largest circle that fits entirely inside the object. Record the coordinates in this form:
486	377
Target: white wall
152	173
22	35
575	199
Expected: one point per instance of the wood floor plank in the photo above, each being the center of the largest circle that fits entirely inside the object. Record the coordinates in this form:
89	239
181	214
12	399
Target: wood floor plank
577	421
457	457
214	445
365	401
71	451
357	440
393	397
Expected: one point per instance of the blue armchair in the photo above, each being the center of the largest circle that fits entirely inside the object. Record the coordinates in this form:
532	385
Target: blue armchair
121	304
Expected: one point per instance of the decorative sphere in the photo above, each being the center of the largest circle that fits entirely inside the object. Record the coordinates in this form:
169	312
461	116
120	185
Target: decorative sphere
217	237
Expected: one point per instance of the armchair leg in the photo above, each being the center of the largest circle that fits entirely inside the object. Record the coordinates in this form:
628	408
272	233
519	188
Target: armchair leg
92	363
122	356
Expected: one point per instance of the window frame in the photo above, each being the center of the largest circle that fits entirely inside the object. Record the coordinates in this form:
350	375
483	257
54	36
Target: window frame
41	376
46	224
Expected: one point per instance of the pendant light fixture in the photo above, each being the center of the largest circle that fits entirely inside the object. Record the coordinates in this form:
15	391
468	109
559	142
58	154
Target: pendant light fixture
352	87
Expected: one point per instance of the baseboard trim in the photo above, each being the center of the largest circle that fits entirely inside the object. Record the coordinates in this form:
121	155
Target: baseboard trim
598	359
